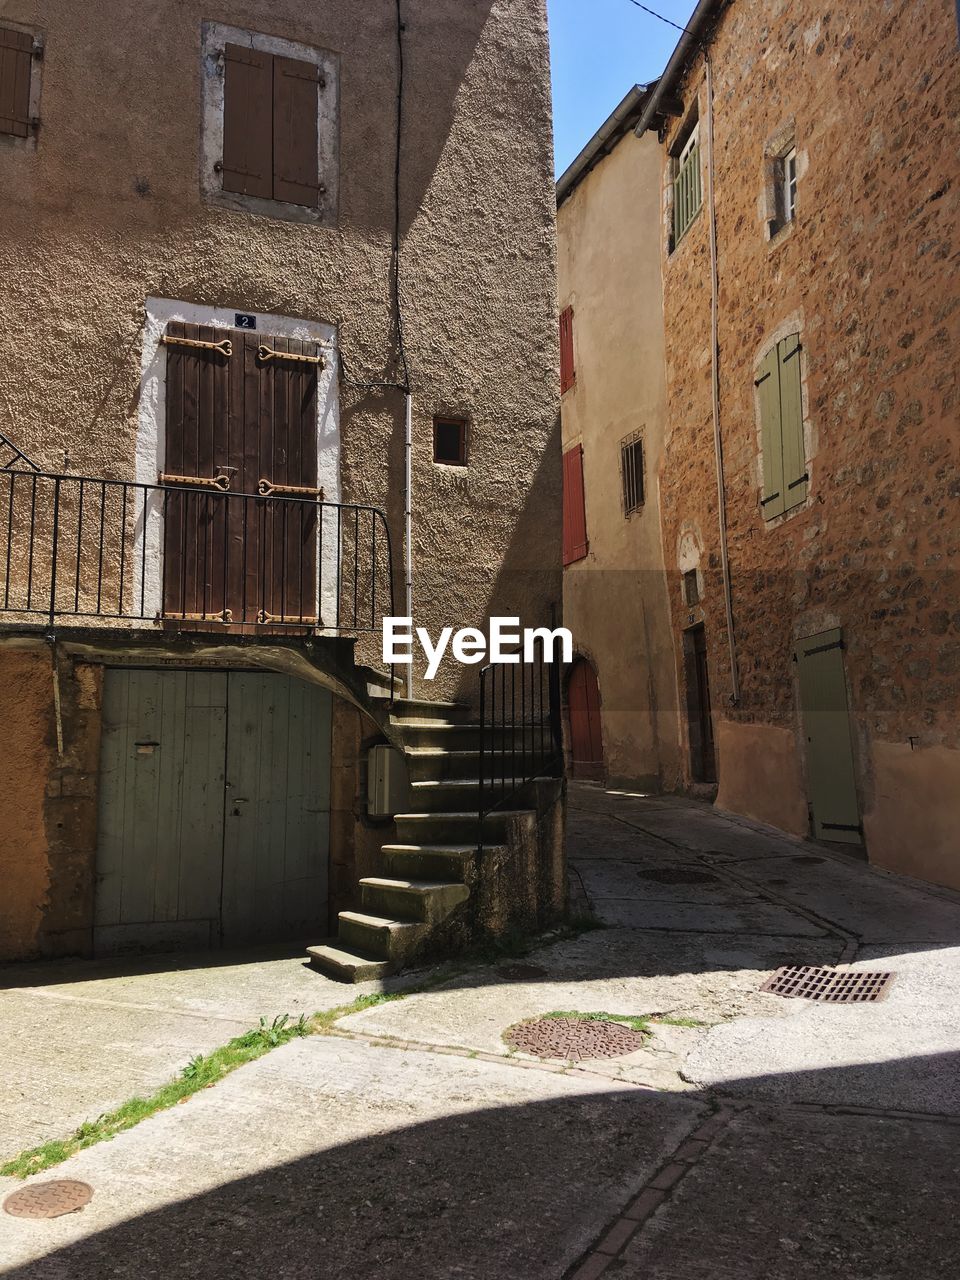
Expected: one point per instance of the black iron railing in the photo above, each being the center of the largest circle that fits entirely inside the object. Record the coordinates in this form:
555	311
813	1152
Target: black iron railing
188	556
520	728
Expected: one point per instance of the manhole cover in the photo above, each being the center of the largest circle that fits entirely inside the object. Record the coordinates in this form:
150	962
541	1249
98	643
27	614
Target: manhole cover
48	1199
832	986
574	1038
678	875
521	972
805	860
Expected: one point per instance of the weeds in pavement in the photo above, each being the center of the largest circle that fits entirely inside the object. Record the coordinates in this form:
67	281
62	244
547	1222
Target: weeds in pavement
200	1072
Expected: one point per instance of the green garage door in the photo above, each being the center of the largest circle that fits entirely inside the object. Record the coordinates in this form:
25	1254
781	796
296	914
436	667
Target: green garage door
214	810
826	723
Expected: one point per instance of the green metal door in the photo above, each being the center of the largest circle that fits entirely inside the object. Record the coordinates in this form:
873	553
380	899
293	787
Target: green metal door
214	810
826	724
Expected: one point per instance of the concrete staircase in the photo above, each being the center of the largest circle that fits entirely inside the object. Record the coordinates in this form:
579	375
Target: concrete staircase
428	875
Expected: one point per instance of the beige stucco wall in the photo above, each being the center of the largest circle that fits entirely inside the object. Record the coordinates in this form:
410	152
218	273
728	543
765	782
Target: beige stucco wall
911	825
615	601
760	775
107	210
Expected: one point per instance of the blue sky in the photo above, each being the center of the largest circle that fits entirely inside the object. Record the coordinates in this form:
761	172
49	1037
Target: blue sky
598	49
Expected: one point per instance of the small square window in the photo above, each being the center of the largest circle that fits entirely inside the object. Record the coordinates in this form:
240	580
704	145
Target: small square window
691	588
631	473
450	441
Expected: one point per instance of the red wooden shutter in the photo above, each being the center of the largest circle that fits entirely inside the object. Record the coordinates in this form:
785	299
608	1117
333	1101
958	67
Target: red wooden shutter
16	57
295	166
248	121
568	374
574	512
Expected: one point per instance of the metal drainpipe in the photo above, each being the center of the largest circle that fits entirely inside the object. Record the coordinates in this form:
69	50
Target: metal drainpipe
715	361
408	519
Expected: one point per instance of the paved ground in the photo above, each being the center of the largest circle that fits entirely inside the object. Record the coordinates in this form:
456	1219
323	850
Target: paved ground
772	1140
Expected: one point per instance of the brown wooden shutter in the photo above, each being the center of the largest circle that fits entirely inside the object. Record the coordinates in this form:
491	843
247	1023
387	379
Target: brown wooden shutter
295	105
574	511
16	60
248	121
567	371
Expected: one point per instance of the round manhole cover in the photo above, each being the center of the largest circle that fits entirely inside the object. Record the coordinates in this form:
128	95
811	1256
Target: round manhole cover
574	1039
48	1199
521	972
677	875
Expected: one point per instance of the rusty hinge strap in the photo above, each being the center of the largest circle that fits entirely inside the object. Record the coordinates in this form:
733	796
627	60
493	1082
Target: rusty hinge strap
221	482
264	616
224	616
224	348
266	487
267	353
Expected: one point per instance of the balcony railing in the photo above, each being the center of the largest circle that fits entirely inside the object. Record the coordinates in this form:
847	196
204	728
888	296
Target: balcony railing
183	557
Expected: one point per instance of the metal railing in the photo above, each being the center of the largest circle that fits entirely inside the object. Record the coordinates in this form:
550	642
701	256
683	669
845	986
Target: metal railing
520	728
94	550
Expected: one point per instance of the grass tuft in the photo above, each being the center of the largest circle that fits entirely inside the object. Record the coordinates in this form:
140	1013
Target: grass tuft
202	1071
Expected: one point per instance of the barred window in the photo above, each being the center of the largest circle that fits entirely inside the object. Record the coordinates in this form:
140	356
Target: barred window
631	472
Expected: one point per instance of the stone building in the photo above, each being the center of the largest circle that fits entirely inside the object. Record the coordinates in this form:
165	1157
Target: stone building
621	691
811	469
248	254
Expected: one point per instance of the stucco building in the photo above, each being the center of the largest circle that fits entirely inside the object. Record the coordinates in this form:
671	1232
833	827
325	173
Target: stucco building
247	257
806	214
621	692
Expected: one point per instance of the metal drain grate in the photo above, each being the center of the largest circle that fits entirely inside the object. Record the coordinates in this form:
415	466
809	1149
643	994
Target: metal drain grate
677	875
831	986
574	1039
48	1199
520	972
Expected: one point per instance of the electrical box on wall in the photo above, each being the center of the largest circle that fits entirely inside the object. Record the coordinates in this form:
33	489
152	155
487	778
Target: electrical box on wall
388	783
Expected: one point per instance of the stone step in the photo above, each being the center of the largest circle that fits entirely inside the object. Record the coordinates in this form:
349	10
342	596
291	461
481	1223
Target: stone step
452	862
459	737
428	901
457	828
433	764
424	711
381	936
347	965
446	795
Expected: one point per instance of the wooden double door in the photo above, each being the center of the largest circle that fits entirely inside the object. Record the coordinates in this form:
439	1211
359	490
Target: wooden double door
241	520
214	810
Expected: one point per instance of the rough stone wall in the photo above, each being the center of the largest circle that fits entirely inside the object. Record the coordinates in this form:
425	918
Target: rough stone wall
614	600
866	272
107	209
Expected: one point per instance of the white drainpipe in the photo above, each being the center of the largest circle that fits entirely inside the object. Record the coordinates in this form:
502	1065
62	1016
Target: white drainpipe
408	521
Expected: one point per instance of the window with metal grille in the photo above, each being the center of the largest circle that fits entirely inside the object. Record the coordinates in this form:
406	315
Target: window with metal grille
631	473
16	69
687	187
450	441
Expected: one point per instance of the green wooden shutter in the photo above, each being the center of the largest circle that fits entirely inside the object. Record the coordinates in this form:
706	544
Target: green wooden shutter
831	772
771	436
791	418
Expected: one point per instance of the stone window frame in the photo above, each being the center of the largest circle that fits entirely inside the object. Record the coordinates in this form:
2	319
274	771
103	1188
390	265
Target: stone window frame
29	143
214	37
794	323
776	226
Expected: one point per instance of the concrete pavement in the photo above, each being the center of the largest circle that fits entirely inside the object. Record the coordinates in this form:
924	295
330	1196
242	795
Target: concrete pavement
764	1139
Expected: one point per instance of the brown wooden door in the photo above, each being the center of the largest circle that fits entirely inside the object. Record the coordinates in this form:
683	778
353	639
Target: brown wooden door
705	757
240	556
586	742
